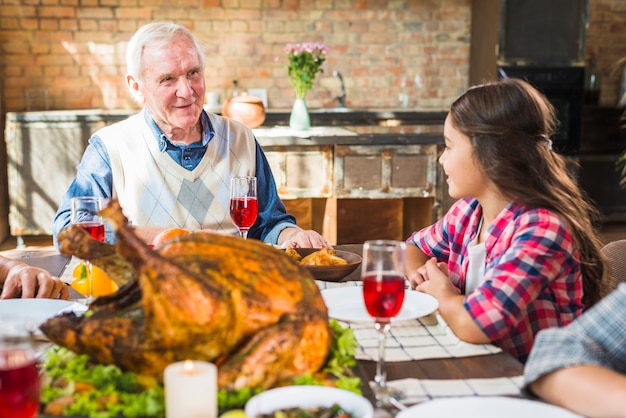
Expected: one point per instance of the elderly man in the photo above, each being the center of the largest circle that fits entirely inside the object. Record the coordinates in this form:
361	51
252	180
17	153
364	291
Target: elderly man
170	165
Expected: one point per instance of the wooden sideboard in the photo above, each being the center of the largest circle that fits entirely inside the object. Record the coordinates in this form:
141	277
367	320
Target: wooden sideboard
379	179
358	182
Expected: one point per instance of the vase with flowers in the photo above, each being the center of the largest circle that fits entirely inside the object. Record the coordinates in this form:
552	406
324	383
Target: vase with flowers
305	61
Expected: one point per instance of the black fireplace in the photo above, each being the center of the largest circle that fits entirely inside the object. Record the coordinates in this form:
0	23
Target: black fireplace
564	87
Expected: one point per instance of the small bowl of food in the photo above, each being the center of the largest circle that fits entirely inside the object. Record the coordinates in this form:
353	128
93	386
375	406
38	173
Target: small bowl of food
324	264
318	401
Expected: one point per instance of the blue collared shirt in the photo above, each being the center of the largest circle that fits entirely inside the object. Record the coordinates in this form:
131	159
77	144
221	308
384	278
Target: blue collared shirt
94	178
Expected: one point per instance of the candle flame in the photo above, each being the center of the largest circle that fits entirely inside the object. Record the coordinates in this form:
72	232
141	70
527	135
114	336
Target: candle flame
188	366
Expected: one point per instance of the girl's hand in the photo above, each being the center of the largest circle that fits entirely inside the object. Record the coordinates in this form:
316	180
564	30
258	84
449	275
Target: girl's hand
420	275
432	278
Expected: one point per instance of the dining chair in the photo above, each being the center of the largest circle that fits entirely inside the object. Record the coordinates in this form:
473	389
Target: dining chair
615	252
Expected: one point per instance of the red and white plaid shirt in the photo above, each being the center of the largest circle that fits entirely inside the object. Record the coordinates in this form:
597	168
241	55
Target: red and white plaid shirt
532	274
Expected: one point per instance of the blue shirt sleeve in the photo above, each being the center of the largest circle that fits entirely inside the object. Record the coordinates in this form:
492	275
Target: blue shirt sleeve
273	216
93	178
597	337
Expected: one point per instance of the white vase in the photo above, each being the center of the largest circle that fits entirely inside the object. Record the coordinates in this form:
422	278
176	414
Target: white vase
299	118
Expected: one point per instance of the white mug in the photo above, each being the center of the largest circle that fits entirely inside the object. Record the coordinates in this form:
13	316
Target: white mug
212	99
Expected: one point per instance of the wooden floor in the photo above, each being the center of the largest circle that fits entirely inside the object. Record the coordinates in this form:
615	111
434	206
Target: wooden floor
610	232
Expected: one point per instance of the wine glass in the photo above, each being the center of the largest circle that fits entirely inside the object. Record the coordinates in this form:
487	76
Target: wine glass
19	382
244	208
85	212
383	278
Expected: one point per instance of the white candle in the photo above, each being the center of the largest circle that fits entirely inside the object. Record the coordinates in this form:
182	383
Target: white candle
190	390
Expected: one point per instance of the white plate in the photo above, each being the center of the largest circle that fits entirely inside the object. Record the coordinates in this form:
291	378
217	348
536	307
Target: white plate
346	304
33	311
308	397
485	407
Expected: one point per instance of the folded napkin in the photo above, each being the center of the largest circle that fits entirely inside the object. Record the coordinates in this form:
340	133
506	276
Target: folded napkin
419	390
416	339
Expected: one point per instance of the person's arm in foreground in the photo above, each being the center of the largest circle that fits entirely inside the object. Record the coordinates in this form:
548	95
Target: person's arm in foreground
590	390
18	279
582	367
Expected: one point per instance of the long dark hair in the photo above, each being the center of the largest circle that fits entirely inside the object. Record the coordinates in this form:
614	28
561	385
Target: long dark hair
509	124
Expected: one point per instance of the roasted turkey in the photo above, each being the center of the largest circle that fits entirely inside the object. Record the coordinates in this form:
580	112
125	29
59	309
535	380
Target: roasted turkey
203	296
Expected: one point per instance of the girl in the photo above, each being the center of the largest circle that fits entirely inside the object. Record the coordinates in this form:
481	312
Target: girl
517	252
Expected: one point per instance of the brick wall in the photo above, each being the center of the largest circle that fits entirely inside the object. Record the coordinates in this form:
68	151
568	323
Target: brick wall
606	37
74	49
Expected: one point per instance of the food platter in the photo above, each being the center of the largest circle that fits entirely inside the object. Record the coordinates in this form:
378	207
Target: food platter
346	304
334	273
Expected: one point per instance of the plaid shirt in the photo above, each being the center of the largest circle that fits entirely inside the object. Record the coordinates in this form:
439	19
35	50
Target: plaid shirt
598	338
532	274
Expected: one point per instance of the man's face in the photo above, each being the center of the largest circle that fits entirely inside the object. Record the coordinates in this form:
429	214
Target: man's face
173	85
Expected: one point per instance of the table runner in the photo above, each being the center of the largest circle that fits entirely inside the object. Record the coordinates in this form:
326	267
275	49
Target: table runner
428	337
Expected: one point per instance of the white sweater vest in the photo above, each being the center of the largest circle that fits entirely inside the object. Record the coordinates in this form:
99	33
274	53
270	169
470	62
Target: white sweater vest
154	190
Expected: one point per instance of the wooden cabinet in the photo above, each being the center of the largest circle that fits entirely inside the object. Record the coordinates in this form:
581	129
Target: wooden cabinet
351	193
302	171
385	171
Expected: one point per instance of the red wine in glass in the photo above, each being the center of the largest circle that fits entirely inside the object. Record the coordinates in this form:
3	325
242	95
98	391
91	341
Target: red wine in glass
95	229
85	213
382	272
243	211
244	207
19	384
383	295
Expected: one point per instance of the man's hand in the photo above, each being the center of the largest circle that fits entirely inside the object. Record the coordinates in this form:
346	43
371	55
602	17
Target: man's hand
300	238
26	281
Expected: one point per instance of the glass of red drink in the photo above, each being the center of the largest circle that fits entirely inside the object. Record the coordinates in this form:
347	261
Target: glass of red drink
244	208
382	272
19	383
85	212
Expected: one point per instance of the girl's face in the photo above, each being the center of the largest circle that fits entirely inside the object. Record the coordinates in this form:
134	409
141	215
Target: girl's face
465	177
